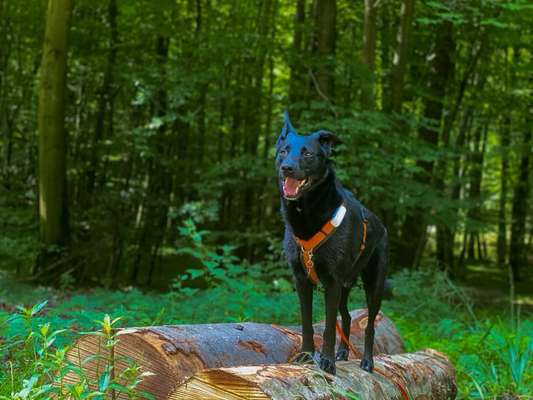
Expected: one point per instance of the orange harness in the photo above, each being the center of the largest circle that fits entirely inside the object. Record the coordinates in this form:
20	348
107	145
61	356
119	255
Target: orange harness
307	247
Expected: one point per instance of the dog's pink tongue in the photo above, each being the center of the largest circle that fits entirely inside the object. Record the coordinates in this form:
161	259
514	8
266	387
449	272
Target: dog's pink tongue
290	186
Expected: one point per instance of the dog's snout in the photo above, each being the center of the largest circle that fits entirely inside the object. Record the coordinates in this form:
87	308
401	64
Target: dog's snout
287	169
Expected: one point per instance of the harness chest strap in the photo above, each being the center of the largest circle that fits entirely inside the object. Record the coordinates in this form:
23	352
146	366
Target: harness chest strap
308	246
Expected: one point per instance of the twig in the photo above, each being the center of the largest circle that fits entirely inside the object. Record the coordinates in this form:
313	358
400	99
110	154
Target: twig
321	94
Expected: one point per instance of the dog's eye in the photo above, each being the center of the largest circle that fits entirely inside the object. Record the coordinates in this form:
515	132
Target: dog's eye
282	152
307	154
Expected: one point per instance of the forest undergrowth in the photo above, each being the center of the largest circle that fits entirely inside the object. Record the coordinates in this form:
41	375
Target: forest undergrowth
492	354
492	350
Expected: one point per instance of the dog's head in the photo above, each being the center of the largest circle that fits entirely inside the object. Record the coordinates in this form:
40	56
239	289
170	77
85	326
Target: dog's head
302	161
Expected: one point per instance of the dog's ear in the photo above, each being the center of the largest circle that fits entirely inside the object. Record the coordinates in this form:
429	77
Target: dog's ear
286	130
327	141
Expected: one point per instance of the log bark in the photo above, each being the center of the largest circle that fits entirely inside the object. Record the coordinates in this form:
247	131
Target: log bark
175	353
426	374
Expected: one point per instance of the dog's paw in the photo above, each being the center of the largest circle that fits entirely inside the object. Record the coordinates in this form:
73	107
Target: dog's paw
367	364
304	357
342	354
327	364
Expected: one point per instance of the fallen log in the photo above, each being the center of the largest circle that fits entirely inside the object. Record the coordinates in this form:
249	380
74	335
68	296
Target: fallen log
174	353
426	375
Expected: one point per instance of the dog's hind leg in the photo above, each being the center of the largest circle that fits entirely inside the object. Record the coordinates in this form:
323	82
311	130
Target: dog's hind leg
373	281
343	351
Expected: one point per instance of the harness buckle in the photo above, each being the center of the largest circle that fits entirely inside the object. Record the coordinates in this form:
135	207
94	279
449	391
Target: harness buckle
308	258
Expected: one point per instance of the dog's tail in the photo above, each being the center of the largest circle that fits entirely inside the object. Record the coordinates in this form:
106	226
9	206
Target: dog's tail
387	289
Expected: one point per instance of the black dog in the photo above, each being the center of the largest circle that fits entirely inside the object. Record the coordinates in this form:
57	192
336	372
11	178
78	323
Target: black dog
329	237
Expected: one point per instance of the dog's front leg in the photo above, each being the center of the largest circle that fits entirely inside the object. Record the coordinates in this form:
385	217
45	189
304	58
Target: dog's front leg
327	356
305	293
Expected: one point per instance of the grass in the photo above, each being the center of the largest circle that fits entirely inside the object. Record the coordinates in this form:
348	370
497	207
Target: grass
493	355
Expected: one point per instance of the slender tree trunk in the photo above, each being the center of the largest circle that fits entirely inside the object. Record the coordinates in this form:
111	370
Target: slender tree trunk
159	180
270	107
399	64
392	97
460	167
53	206
5	130
323	75
521	196
386	40
505	140
415	225
297	74
118	227
476	177
446	230
104	100
369	53
221	119
202	126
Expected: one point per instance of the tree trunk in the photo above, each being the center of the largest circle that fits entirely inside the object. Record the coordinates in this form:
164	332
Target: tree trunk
175	353
460	167
502	245
386	38
297	74
53	206
392	94
517	254
505	140
474	195
415	225
426	374
369	54
399	64
160	179
104	100
323	75
445	237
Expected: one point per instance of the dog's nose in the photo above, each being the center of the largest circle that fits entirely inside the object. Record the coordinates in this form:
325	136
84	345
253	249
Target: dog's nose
287	169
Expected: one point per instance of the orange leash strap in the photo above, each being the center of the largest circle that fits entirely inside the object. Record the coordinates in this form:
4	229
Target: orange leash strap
356	353
345	340
363	241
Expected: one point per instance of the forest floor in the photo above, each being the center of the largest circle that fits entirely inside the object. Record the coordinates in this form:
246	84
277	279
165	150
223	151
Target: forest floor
488	287
492	351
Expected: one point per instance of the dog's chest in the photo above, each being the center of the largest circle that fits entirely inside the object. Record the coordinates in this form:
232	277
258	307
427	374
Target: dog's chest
333	255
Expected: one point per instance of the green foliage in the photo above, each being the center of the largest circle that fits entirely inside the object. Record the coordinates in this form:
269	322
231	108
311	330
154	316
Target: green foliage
37	364
183	136
234	280
492	356
152	129
18	243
